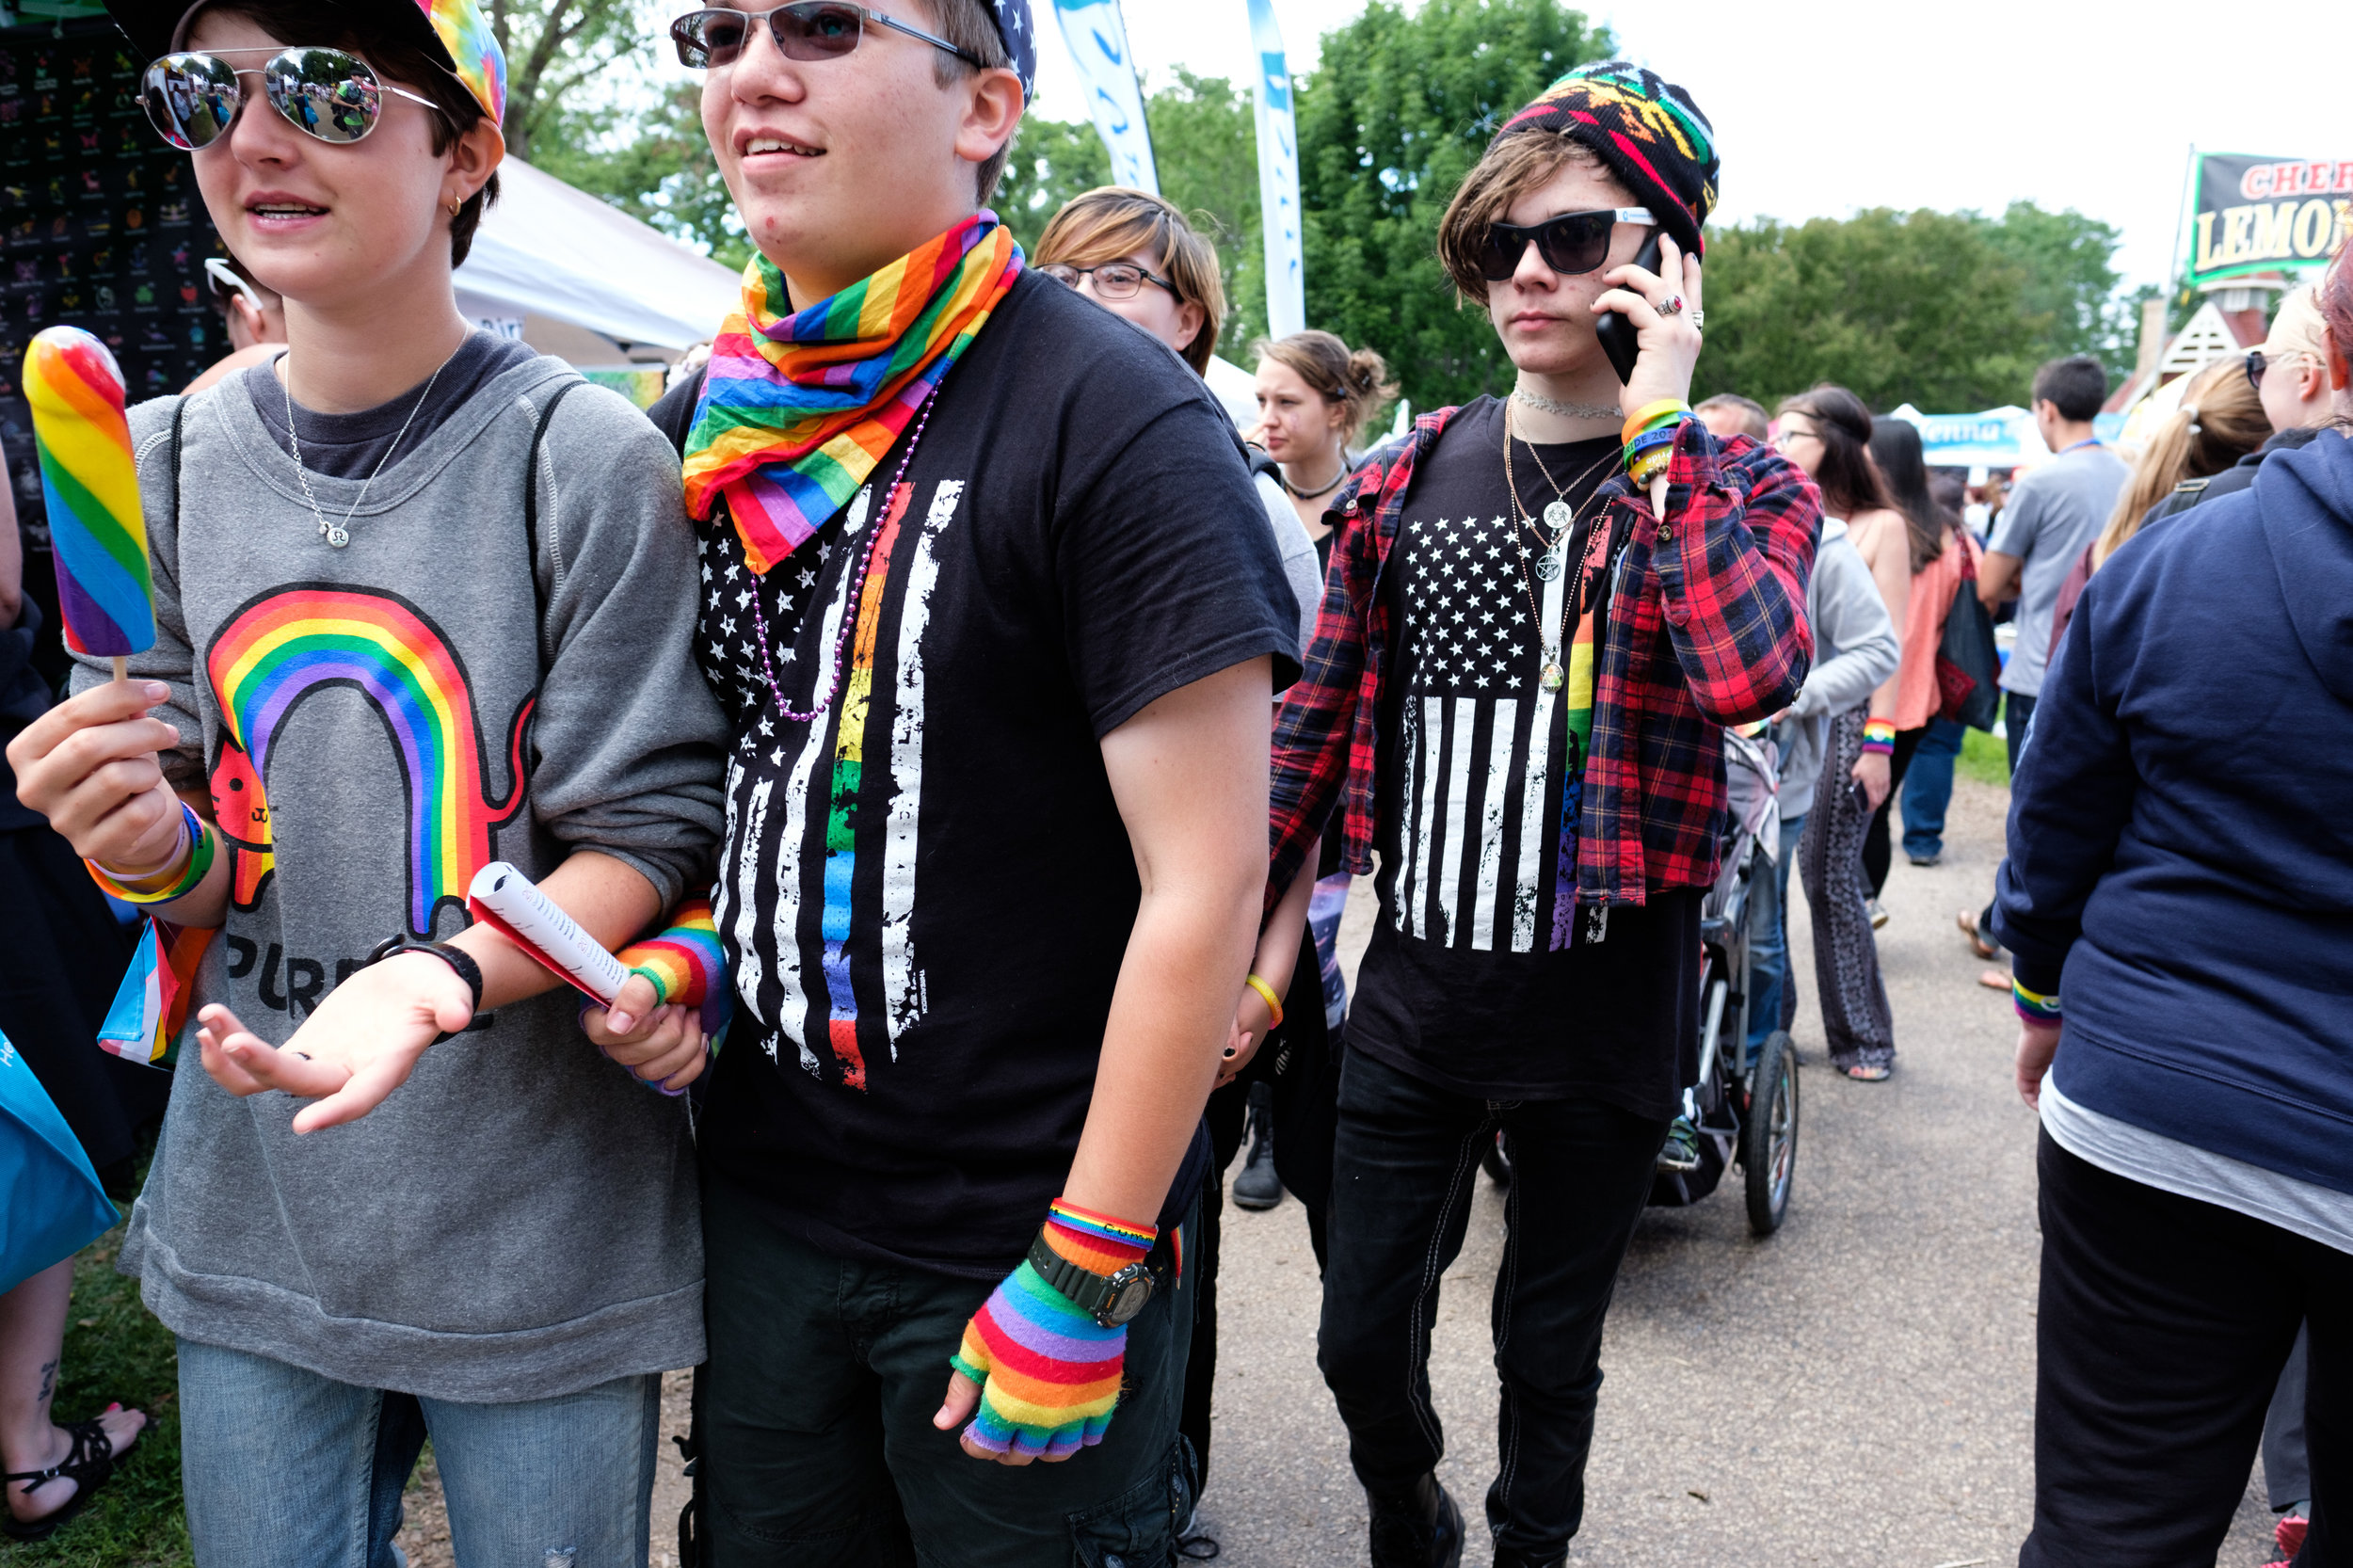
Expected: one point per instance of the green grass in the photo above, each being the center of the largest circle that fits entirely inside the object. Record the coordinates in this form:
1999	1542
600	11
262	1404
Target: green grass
1984	758
116	1350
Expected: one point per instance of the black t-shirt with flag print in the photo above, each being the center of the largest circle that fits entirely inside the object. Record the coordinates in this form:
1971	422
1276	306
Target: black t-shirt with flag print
1478	759
926	892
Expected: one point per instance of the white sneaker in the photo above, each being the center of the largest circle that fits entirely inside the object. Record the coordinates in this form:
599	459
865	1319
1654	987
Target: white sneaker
1877	911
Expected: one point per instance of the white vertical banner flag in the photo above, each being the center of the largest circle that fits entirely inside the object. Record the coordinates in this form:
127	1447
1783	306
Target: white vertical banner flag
1097	39
1278	177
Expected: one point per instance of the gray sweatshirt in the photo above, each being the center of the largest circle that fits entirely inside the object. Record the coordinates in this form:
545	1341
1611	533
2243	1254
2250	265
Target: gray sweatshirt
1854	650
520	1220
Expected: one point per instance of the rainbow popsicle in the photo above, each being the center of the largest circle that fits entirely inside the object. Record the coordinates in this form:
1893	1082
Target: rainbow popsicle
92	486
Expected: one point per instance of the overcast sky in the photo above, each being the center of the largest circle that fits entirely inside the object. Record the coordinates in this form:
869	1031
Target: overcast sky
1824	107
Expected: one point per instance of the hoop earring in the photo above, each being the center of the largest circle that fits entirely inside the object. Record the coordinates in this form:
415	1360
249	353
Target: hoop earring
453	206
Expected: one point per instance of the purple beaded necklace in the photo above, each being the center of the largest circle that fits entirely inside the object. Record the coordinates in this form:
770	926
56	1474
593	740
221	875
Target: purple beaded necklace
849	615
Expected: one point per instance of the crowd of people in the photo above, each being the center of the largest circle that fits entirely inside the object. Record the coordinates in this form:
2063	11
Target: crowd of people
1013	728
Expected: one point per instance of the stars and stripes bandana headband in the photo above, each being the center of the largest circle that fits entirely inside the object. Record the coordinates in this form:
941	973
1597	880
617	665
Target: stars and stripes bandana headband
798	409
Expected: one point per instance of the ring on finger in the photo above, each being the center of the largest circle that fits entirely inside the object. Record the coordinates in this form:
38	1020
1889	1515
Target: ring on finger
1670	306
1699	319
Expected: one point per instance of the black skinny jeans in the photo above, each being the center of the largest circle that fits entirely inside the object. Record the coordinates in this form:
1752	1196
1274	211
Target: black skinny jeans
1878	848
1403	1171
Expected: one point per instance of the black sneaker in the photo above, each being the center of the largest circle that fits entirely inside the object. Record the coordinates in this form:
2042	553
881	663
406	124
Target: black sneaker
1414	1525
1682	1150
1258	1187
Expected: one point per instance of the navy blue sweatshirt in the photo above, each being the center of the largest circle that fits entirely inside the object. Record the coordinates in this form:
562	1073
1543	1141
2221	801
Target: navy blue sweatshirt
2181	829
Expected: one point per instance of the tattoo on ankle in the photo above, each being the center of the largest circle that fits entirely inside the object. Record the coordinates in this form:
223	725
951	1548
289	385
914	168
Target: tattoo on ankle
48	1380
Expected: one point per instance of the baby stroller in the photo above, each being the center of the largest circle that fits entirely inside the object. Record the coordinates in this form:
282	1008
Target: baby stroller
1745	1104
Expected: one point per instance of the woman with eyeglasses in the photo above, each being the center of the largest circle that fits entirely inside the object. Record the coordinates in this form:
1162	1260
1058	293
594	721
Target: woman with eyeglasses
1543	609
1827	432
424	604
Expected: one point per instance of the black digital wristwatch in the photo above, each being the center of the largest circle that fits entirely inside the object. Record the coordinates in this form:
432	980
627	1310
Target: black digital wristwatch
1110	1300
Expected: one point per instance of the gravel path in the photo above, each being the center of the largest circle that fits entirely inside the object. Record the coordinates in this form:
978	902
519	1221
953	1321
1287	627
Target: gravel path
1857	1390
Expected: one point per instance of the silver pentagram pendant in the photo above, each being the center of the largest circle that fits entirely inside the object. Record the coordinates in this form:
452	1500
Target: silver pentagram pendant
1549	564
1553	678
1557	516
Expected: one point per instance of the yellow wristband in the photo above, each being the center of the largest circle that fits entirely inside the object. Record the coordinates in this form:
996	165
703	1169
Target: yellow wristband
1266	993
1642	417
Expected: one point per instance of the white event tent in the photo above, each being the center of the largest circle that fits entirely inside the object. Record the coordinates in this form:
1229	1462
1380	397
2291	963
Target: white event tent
583	280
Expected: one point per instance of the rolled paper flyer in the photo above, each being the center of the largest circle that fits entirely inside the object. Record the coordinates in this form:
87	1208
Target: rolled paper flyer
511	904
91	481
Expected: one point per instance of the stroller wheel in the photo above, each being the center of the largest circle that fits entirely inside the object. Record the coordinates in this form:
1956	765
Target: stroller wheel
1769	1138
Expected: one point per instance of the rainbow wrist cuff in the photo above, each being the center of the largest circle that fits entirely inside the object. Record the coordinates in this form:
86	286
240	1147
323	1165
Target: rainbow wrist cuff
2033	1006
180	875
1049	1374
1879	735
685	963
1650	439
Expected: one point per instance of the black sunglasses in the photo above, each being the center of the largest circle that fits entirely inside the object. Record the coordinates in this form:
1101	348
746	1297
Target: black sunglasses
805	30
192	98
1570	244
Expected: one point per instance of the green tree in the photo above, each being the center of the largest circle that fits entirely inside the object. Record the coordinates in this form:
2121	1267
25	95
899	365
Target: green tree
1205	153
1397	113
2069	279
553	47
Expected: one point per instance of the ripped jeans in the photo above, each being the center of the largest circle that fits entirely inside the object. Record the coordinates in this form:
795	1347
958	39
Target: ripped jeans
285	1468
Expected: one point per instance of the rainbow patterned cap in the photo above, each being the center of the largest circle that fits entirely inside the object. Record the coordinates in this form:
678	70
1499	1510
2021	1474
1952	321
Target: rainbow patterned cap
473	49
1648	130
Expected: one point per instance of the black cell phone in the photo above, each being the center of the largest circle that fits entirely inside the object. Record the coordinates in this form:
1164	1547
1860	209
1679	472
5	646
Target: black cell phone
1620	338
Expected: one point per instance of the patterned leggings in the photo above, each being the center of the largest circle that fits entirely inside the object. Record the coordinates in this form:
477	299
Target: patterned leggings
1855	1015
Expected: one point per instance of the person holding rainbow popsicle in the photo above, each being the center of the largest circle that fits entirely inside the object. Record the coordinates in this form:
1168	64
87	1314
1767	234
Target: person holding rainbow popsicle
417	608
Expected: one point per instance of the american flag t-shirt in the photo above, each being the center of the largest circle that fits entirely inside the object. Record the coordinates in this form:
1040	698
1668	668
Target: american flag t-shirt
1486	754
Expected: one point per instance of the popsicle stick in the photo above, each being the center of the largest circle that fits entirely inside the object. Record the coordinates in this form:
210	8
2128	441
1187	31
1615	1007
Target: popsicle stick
122	667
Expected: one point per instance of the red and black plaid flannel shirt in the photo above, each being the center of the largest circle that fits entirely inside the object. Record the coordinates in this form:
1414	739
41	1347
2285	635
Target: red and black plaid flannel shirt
1707	628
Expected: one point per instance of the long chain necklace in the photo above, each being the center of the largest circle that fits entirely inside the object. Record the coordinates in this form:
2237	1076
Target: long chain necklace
857	590
1560	513
1548	567
1567	410
338	533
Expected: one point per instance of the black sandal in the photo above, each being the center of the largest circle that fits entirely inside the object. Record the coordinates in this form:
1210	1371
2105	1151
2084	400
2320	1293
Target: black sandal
87	1464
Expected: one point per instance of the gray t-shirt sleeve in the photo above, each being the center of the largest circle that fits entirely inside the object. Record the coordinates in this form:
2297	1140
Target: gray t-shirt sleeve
630	741
2015	530
1300	568
172	660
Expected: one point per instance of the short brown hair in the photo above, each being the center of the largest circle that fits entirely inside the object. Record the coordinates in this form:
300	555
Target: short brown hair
1510	168
1357	380
1111	221
353	29
968	25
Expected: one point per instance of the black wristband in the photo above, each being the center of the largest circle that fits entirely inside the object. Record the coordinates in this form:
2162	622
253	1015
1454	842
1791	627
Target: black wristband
457	958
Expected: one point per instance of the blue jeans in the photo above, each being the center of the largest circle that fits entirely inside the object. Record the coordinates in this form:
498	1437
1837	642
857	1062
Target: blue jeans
2017	723
1769	942
1928	788
285	1468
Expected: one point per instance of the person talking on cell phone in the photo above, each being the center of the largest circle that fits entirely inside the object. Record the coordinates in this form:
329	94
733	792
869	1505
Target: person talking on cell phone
1540	611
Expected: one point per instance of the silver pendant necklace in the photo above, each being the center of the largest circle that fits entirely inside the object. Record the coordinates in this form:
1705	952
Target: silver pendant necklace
1567	410
338	533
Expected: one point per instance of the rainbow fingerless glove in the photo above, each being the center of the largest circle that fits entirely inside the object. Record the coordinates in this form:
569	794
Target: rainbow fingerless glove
180	875
2033	1006
1879	735
1650	440
1050	1373
686	965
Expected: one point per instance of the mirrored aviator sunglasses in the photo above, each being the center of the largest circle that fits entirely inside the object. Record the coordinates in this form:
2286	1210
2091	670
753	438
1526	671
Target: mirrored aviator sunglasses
1571	243
192	99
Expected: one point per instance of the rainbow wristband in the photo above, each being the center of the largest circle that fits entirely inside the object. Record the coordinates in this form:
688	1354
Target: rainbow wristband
180	875
1651	416
1879	736
2033	1006
1266	993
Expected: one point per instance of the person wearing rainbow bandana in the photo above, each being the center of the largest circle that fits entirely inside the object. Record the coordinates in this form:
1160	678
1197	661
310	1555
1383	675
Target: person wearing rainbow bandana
416	610
990	600
1539	613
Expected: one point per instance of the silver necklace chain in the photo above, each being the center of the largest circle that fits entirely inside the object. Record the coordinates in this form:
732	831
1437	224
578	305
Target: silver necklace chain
338	533
1567	410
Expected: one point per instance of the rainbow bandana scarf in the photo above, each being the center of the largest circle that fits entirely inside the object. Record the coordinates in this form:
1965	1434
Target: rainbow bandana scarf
797	410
